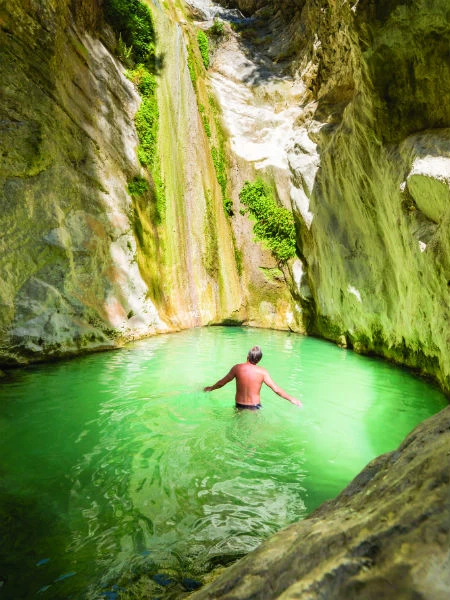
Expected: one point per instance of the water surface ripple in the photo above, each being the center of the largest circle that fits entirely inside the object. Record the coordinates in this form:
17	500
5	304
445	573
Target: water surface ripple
117	464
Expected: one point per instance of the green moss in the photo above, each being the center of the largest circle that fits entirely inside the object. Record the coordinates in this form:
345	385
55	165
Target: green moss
132	21
274	275
147	125
144	218
191	67
217	151
206	124
79	47
137	186
220	163
160	193
203	44
210	229
217	28
146	118
238	258
274	224
220	167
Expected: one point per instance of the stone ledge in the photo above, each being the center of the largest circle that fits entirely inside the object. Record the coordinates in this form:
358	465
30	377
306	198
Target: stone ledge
387	535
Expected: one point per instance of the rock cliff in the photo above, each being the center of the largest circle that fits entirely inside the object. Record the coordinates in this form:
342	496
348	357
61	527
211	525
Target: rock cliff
342	109
369	161
340	106
84	264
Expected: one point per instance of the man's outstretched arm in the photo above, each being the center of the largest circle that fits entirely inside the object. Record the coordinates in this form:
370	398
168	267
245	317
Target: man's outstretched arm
276	388
228	377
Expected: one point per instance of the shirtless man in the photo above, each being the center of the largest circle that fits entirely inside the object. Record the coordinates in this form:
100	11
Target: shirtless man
249	379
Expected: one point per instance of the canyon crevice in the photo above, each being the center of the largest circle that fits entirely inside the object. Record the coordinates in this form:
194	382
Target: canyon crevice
341	108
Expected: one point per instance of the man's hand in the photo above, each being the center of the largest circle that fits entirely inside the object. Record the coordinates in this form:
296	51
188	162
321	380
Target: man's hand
208	388
296	402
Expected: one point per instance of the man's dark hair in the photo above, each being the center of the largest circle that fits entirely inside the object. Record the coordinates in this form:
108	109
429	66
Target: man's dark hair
255	355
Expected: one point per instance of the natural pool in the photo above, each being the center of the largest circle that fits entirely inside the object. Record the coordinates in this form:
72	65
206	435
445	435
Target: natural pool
117	464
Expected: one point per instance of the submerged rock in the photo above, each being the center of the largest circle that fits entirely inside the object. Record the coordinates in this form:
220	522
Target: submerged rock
387	534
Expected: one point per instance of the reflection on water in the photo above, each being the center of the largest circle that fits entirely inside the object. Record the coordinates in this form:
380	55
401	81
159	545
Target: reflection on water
118	464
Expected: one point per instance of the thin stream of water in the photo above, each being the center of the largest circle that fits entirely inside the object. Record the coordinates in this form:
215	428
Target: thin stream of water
118	464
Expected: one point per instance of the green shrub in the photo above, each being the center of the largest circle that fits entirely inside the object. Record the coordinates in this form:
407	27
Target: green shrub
124	52
217	28
274	224
146	120
203	44
132	21
228	206
143	80
138	186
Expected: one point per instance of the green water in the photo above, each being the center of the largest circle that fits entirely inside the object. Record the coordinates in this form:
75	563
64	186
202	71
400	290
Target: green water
117	464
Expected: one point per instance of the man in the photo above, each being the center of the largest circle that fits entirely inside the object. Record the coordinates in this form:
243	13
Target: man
249	379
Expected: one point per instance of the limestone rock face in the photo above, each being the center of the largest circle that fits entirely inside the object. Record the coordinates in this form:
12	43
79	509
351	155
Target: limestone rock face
387	535
369	179
71	267
377	250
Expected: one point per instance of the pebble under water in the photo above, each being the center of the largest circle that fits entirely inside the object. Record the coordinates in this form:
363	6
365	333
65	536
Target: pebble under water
116	464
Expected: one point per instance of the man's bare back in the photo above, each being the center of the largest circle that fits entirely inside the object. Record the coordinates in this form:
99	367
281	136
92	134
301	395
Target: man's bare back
249	379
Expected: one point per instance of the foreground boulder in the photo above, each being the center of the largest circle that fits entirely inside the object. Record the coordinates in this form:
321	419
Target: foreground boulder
387	535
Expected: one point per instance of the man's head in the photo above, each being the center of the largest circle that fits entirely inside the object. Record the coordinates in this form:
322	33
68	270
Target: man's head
255	355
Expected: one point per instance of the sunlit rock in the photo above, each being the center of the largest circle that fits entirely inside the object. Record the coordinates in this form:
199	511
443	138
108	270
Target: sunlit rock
83	264
387	535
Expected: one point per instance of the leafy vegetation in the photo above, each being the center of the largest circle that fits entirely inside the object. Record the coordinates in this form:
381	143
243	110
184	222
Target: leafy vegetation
146	118
274	224
132	21
206	124
144	81
203	44
137	186
217	28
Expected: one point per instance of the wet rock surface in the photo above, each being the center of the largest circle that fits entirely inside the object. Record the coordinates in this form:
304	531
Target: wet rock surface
368	167
387	535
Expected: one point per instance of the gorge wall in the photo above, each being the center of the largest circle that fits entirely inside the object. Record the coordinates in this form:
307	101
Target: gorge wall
342	109
85	263
369	185
369	166
360	154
